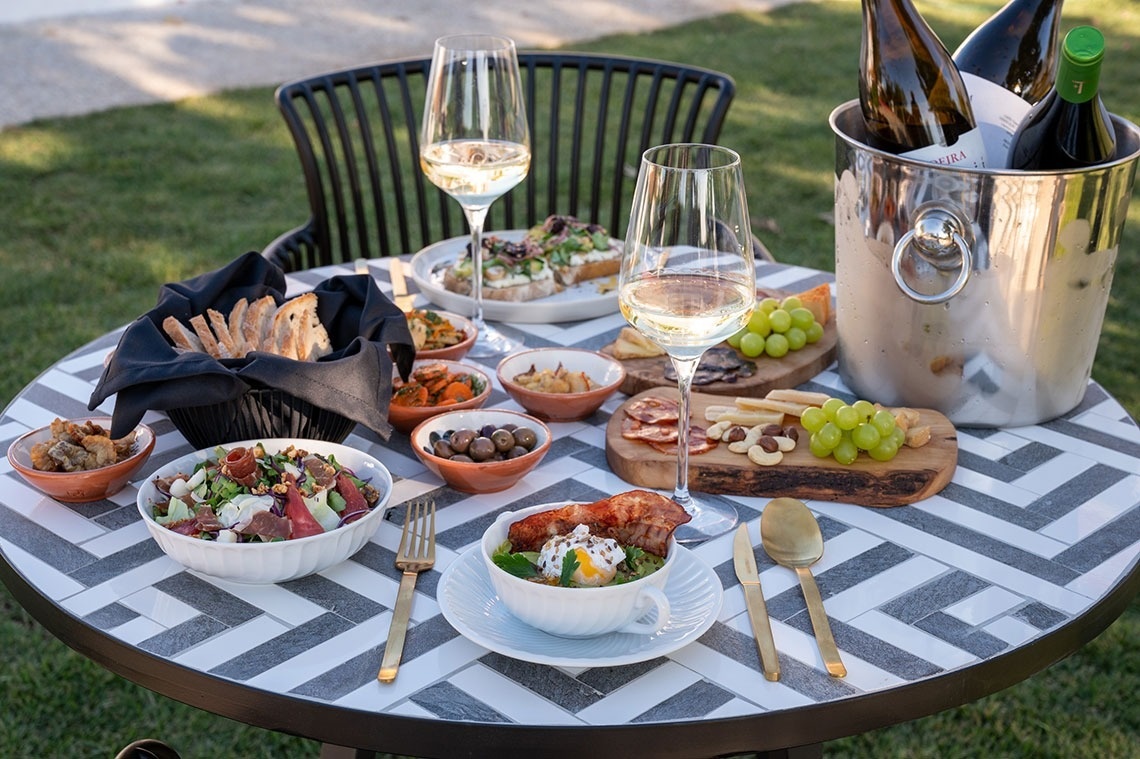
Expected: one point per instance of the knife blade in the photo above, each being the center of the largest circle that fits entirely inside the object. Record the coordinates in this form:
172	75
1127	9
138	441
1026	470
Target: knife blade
400	294
744	560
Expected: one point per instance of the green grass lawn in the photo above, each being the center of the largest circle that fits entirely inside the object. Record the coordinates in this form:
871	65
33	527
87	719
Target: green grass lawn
98	211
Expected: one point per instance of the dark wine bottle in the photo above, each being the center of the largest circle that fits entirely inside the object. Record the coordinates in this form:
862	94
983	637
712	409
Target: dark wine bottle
1070	128
1016	48
913	100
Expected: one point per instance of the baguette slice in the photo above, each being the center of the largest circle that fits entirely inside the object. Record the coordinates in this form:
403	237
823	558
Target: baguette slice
183	338
288	323
209	342
256	328
572	275
236	321
222	331
536	288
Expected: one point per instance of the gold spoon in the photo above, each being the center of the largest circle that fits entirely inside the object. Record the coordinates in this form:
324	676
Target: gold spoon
792	538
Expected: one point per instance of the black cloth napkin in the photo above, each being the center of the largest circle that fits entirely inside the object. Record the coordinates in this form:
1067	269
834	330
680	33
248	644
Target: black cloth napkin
355	380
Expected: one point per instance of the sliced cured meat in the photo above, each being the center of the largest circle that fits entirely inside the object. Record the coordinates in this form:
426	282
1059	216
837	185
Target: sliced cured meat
632	429
718	365
654	410
699	443
637	518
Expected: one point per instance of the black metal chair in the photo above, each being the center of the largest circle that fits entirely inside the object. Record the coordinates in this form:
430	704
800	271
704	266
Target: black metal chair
591	117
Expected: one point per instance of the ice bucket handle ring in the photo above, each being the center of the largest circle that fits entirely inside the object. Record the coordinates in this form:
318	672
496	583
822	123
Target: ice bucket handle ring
936	234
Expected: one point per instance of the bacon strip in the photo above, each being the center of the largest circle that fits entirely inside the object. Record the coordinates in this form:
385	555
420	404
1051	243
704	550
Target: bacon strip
637	518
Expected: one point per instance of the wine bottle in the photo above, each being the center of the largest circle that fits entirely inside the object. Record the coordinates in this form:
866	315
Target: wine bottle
913	100
1071	127
1016	48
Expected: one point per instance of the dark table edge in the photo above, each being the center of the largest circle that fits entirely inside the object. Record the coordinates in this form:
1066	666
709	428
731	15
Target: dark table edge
437	738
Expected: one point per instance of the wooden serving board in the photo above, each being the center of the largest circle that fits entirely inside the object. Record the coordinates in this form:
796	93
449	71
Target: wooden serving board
793	369
914	474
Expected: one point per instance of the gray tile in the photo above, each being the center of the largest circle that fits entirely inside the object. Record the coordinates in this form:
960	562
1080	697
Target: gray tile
1040	616
44	544
552	684
208	599
964	636
934	596
449	702
115	564
335	597
1029	457
1102	544
1064	498
995	507
696	700
110	616
285	646
181	637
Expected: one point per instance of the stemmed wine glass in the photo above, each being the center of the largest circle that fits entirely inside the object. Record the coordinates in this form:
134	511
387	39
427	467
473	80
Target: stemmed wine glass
475	143
688	280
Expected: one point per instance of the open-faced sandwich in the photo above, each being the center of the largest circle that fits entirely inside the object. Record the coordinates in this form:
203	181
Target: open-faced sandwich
576	251
513	271
560	252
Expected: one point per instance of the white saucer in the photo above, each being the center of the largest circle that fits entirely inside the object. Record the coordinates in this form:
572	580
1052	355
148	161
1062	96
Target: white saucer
469	603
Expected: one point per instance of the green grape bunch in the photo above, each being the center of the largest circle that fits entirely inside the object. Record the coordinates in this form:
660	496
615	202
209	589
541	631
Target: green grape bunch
777	327
844	430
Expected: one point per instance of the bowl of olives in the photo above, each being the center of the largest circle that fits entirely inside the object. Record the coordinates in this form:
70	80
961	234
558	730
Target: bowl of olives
481	450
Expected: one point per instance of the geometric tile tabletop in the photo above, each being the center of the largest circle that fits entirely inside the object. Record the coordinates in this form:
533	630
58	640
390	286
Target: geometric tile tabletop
1030	551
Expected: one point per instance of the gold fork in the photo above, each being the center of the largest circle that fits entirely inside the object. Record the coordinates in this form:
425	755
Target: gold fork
416	554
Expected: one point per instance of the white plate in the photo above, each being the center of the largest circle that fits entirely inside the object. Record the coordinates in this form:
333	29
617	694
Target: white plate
469	603
581	301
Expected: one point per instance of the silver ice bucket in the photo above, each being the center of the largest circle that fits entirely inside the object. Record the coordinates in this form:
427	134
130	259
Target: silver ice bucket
976	292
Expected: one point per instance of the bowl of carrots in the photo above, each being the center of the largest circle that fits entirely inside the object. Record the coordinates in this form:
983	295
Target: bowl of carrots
434	387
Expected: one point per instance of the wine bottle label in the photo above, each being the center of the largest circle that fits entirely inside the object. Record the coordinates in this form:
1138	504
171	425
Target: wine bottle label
969	152
997	112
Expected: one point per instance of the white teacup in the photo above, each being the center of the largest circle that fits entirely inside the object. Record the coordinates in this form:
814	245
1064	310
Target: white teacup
578	612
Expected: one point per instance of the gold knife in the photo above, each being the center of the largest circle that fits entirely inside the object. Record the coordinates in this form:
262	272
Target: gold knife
745	562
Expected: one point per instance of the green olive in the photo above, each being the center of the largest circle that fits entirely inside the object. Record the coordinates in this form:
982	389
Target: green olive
481	449
525	437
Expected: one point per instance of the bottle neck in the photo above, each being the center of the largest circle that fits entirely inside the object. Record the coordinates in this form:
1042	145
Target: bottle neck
1078	73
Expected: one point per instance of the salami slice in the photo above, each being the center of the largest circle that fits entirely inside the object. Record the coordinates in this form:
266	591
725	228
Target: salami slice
653	410
632	429
698	443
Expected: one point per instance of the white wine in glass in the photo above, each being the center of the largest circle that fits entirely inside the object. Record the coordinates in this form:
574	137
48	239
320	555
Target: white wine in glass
688	280
475	144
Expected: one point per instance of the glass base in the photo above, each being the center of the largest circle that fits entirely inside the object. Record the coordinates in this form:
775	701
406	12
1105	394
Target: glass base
491	342
709	520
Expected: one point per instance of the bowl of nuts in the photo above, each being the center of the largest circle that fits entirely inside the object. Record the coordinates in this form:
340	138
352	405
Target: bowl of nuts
481	450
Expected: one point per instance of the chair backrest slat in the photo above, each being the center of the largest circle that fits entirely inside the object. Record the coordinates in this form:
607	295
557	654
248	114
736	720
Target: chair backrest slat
591	116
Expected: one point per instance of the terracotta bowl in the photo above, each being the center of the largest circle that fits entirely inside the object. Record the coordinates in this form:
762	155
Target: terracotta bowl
79	487
605	373
279	561
405	418
452	352
481	477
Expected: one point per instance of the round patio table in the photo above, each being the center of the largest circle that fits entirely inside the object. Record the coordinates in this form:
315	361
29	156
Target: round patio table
1029	553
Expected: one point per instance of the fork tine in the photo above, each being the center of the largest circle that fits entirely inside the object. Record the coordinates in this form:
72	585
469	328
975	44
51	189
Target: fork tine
402	551
431	532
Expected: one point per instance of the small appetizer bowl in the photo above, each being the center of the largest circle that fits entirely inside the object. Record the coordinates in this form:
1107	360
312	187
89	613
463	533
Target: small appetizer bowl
483	476
87	485
578	612
405	418
452	352
280	561
605	373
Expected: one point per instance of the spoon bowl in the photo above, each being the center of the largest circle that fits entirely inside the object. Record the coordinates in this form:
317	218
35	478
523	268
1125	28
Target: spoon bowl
791	536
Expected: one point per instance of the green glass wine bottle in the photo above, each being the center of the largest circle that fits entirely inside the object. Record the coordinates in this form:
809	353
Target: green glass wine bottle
1016	48
1070	128
913	100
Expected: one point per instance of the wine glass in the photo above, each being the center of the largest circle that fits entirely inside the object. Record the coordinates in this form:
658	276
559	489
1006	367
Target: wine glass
688	280
475	144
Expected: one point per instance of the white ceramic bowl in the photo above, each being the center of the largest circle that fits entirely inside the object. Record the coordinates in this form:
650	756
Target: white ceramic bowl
606	372
577	612
265	563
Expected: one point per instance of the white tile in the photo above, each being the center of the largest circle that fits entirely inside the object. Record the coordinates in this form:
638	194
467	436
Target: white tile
984	605
640	695
1097	512
991	526
231	644
274	600
111	542
121	586
163	608
1100	578
137	630
1012	630
912	640
1054	473
46	579
884	586
754	692
992	487
1104	455
511	699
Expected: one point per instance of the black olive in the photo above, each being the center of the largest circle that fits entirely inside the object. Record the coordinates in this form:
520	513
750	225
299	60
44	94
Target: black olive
481	449
443	449
525	437
503	440
461	457
486	430
517	451
461	439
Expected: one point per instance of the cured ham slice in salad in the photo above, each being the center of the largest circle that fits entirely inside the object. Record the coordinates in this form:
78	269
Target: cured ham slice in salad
246	495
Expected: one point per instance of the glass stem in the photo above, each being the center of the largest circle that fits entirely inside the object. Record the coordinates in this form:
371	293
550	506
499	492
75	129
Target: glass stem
685	368
476	217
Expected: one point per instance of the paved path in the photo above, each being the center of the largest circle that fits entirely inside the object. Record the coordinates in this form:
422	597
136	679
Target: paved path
67	57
